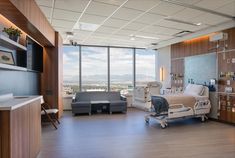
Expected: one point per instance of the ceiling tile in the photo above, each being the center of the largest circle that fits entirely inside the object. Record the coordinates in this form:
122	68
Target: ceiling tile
167	9
135	26
142	5
101	9
228	9
149	18
125	32
161	30
47	3
127	14
72	5
105	29
46	11
63	23
66	15
212	4
116	23
187	14
93	19
188	1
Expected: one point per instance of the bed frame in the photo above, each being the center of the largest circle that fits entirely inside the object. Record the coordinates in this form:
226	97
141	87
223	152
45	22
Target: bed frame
200	109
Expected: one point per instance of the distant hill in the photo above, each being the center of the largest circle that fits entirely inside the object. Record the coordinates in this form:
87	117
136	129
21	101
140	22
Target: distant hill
103	78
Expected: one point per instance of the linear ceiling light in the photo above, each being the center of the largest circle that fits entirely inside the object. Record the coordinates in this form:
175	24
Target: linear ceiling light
145	37
85	26
183	22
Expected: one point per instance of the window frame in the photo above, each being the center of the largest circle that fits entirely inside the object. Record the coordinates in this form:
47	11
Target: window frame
108	63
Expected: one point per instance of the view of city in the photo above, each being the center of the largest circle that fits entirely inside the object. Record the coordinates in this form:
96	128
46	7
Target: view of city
94	68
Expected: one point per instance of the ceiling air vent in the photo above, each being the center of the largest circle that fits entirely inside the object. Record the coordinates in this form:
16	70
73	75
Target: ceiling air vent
154	44
69	33
182	33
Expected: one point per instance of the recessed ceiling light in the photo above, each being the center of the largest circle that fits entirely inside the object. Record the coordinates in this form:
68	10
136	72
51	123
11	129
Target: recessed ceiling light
198	24
85	26
132	38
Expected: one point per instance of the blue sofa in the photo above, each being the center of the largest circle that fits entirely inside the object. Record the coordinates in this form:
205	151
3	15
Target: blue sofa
85	101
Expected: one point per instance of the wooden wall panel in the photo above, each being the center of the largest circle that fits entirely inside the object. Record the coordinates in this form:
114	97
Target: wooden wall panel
20	132
35	128
52	76
26	15
5	134
177	68
199	46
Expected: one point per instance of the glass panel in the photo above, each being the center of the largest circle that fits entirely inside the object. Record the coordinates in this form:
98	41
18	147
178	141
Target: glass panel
70	70
121	69
94	68
145	66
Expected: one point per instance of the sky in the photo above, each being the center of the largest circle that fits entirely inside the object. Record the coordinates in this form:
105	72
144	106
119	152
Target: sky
94	63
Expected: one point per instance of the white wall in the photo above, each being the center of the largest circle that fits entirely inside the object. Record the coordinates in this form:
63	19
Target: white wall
163	59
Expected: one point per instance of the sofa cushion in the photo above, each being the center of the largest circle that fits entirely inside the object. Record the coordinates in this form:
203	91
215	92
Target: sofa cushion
81	104
118	103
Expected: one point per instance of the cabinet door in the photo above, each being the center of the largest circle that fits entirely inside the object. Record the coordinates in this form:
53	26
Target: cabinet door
35	128
20	132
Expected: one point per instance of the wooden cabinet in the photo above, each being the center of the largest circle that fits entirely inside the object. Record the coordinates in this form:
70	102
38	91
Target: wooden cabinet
227	108
20	134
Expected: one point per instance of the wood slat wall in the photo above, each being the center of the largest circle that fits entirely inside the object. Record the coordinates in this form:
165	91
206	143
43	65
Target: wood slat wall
198	46
202	45
52	76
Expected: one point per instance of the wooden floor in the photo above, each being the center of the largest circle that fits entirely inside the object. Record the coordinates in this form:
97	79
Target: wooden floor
127	136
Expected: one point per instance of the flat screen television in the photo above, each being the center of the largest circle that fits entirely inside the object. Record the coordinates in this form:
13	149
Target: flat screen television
34	55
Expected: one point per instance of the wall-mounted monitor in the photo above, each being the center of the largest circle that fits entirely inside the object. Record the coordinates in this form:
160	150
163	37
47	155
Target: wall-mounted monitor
34	55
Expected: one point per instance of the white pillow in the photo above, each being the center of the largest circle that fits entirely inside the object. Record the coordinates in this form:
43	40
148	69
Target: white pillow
194	89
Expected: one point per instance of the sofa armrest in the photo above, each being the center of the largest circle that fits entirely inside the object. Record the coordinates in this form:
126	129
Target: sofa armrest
123	98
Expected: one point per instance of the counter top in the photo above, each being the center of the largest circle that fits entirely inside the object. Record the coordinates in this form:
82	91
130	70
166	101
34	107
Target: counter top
17	101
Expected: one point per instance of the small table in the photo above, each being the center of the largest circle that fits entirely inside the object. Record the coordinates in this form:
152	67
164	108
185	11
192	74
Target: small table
100	105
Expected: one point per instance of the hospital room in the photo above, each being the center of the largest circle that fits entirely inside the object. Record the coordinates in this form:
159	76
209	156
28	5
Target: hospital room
117	78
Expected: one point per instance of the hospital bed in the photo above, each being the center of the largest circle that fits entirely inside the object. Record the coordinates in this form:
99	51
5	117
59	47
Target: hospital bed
193	102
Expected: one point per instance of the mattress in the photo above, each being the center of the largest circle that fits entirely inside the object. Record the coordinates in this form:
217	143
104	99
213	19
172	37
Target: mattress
186	100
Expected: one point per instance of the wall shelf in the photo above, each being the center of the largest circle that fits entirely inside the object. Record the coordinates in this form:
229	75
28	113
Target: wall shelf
10	44
12	67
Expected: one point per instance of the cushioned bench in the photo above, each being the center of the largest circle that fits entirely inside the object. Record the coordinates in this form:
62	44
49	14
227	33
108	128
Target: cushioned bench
83	102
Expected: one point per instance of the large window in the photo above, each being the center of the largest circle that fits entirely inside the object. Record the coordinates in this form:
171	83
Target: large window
94	68
145	66
71	70
121	69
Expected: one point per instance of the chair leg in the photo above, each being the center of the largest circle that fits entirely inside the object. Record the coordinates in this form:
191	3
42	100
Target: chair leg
57	120
52	122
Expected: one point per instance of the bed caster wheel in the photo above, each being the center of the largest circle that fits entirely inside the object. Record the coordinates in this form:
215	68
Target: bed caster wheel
163	126
203	119
147	120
